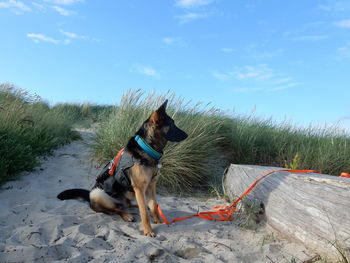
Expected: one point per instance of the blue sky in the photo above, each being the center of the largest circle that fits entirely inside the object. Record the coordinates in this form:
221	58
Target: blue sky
285	59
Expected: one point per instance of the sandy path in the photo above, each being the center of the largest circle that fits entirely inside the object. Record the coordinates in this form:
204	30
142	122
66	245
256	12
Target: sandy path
37	227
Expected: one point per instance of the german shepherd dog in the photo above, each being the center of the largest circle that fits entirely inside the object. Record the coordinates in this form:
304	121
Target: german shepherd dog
155	132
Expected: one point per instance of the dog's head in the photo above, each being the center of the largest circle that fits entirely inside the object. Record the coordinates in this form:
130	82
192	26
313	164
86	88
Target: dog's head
164	126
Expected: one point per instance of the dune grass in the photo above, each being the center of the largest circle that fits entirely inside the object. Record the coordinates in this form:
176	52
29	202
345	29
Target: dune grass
216	139
84	114
185	164
28	128
265	142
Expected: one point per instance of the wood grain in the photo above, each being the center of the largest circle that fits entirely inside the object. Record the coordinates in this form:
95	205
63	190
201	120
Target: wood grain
311	208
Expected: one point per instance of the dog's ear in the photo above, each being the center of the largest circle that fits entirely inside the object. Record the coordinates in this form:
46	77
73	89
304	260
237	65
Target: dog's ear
157	117
162	107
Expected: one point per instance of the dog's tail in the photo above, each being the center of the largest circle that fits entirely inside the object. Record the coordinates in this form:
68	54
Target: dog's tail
75	194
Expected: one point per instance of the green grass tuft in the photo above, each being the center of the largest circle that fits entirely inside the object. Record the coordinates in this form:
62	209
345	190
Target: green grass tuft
28	128
185	164
84	114
265	142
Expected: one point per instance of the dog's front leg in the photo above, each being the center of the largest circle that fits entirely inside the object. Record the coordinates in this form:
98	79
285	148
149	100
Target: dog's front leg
152	203
141	201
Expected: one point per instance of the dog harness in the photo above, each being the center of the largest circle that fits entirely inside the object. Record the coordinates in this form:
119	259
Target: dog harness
113	179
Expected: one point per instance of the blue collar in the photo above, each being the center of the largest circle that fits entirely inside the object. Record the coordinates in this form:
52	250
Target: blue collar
147	148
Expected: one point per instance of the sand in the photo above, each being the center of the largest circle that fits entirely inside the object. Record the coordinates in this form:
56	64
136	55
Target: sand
37	227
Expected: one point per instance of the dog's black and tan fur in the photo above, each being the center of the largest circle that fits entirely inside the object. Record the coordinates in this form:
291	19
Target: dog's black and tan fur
157	130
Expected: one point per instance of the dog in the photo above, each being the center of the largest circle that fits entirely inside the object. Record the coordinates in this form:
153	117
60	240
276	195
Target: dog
137	175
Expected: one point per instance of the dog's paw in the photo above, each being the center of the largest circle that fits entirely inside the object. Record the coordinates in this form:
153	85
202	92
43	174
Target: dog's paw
128	217
150	234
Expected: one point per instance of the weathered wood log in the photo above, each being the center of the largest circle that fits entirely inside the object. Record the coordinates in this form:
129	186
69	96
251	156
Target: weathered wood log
311	208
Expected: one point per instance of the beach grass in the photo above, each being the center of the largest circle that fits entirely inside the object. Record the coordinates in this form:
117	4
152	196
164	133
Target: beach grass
186	164
29	128
84	114
217	138
266	142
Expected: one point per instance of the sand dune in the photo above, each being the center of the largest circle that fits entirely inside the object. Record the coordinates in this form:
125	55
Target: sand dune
37	227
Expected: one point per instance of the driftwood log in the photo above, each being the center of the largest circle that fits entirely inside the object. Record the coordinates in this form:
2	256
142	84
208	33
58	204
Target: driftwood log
310	208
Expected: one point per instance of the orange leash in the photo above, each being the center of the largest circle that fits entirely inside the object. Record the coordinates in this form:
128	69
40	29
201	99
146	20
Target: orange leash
224	212
347	175
116	161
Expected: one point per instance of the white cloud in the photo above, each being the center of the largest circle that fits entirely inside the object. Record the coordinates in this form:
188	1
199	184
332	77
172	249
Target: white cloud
16	7
190	17
260	72
145	70
264	89
248	74
168	40
343	49
257	73
38	6
72	35
314	31
69	34
266	54
282	80
173	41
192	3
64	2
342	53
222	76
256	78
226	50
282	87
62	11
343	23
40	37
